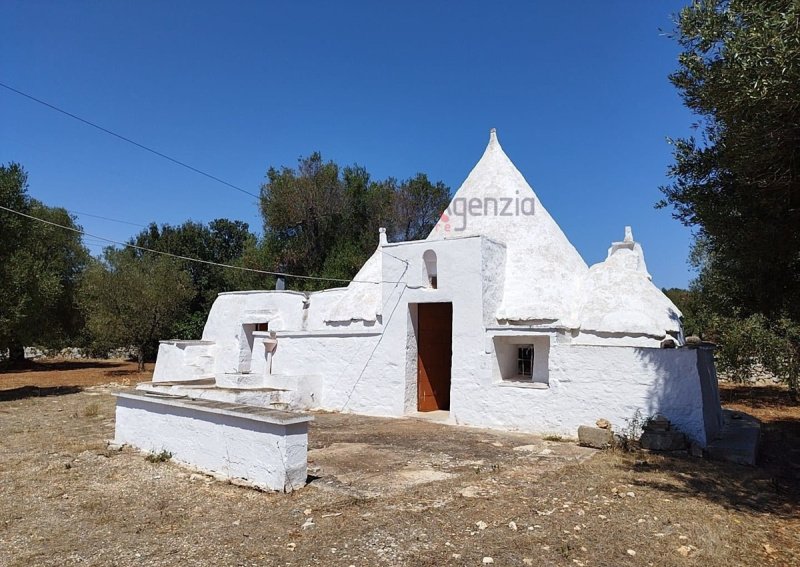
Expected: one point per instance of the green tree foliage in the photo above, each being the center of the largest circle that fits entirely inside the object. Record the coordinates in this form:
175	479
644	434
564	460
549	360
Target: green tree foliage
688	301
322	220
39	269
738	186
134	301
221	241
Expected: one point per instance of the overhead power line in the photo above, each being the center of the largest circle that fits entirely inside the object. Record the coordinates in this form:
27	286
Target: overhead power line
106	218
188	258
126	139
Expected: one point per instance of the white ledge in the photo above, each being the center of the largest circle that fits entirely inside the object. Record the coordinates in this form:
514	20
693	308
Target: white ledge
523	384
326	333
241	411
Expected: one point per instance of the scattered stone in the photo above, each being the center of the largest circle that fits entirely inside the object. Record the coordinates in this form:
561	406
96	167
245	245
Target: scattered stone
309	523
237	522
526	448
664	440
527	561
603	423
291	546
686	550
512	525
631	552
456	556
488	560
693	341
307	511
695	450
657	423
630	494
481	525
594	437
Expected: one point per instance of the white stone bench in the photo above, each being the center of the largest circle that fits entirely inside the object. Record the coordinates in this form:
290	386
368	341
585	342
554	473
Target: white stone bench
266	448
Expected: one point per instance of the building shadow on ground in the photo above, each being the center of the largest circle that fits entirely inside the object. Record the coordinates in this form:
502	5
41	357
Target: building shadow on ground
736	487
36	392
771	487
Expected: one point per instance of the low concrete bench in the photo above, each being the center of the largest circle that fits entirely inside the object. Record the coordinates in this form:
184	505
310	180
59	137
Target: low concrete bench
264	447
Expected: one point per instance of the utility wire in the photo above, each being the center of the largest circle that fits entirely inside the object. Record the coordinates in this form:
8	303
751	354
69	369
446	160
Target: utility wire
187	258
125	139
106	218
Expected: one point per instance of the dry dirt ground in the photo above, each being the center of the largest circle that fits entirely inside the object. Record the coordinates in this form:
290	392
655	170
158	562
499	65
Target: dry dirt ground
382	492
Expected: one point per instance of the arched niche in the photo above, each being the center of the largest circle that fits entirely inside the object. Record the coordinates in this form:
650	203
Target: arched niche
429	259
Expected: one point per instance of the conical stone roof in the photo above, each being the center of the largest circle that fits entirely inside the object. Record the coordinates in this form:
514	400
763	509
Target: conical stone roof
543	270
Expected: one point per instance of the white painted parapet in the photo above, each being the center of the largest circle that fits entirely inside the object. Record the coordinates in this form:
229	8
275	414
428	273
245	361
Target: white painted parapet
184	360
266	448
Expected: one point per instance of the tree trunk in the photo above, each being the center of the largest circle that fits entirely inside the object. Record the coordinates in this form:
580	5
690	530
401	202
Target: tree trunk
140	358
16	353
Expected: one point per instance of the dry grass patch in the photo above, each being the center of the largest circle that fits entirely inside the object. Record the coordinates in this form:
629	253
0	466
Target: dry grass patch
466	494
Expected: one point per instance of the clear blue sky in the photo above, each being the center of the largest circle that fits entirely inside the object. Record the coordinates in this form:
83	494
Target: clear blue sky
577	91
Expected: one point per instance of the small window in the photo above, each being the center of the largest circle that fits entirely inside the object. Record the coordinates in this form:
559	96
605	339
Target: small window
525	361
263	327
522	359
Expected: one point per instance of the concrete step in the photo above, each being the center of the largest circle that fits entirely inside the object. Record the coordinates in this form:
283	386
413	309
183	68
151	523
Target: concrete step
205	382
259	397
242	380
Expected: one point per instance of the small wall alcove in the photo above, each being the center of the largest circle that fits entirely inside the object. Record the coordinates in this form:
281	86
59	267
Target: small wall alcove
429	258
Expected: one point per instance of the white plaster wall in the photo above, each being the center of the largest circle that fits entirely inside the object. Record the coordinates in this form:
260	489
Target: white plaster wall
385	382
184	360
332	359
268	455
587	383
259	362
493	271
319	305
282	309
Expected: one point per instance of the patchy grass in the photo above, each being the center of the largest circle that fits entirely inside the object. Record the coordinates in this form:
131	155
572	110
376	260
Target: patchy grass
91	410
161	457
555	438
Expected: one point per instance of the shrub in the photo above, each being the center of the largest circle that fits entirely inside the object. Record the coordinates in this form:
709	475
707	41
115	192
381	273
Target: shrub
160	457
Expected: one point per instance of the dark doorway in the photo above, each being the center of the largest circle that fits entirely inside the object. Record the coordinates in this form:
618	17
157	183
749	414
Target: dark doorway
434	355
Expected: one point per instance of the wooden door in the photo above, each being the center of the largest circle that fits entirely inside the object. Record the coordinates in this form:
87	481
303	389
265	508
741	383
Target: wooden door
434	355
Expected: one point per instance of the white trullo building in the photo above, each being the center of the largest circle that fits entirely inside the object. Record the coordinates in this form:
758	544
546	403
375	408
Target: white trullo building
494	318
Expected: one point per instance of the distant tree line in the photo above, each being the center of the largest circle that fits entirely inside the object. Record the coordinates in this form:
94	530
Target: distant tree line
320	219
